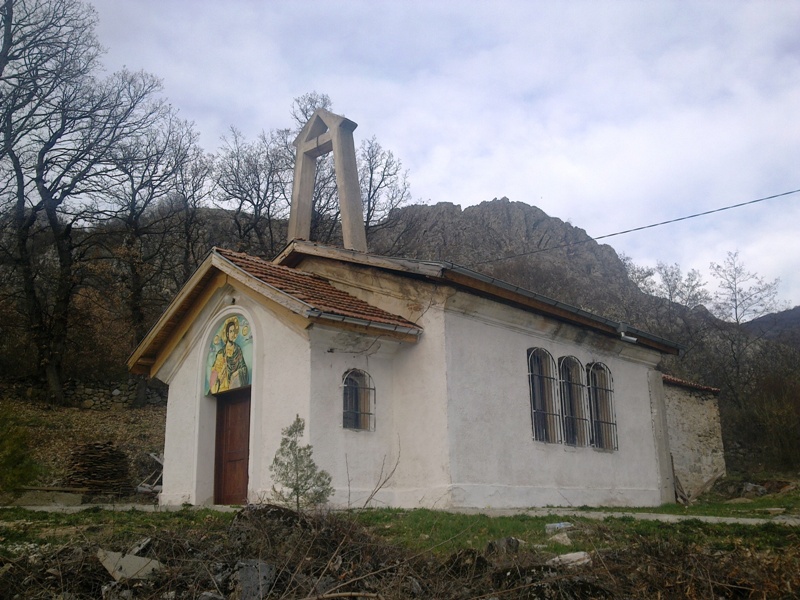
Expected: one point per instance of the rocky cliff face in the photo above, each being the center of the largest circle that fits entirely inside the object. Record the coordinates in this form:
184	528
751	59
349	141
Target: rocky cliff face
539	252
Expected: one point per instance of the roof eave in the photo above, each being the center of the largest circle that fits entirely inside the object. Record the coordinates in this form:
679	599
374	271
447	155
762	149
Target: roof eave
499	290
399	331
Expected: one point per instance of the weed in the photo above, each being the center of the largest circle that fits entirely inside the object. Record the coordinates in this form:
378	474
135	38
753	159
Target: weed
17	467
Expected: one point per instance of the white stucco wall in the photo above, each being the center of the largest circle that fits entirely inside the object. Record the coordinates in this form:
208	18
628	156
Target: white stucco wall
278	393
460	400
191	416
410	418
352	457
494	459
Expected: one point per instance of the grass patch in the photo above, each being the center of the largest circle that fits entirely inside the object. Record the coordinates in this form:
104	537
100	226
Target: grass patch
444	533
440	533
719	504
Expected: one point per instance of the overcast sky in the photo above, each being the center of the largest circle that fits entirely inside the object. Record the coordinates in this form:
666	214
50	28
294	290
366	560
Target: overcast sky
609	115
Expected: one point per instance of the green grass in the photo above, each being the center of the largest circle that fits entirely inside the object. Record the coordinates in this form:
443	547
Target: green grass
445	533
714	504
418	530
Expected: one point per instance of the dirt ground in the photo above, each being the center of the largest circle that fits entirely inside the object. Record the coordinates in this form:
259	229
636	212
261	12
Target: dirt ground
53	432
272	552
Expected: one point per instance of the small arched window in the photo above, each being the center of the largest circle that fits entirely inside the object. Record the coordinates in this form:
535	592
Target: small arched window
601	406
573	401
543	382
358	400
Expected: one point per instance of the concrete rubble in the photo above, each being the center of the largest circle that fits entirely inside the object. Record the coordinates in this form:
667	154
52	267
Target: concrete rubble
125	567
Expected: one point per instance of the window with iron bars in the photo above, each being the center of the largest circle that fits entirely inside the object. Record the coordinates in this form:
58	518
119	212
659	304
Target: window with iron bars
601	405
573	401
570	404
543	382
358	401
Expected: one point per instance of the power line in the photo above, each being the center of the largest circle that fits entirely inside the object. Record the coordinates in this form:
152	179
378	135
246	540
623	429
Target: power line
608	235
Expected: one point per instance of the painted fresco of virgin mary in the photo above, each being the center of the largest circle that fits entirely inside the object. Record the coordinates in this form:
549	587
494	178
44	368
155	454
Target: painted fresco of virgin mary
229	370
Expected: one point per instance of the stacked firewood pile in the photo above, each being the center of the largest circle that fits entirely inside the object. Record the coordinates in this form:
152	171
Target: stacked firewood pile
99	467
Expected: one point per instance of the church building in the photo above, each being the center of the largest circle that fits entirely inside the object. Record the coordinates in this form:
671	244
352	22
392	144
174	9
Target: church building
422	384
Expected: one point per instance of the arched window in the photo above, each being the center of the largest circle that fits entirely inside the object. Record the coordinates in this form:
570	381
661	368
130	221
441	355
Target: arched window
543	382
601	406
358	397
573	401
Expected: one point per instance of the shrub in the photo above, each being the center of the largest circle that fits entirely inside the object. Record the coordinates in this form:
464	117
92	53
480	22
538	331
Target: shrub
302	483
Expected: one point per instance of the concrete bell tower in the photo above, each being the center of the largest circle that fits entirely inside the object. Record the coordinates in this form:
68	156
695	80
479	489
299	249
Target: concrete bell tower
326	132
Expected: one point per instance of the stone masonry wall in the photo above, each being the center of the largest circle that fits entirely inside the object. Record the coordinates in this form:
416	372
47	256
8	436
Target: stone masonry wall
96	395
695	436
106	395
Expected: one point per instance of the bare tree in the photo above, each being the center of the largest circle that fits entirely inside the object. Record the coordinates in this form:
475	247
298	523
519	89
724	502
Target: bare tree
741	297
253	181
642	276
384	184
58	126
195	186
136	204
304	106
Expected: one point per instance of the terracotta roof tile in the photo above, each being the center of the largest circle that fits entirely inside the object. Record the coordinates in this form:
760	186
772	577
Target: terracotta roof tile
312	289
689	384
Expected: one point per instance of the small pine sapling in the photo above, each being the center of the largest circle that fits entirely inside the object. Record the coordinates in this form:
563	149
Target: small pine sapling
300	482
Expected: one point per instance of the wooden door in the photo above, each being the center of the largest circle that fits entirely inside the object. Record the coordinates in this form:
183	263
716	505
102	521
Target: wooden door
233	447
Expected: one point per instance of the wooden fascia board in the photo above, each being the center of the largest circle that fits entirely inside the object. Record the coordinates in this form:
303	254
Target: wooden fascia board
219	280
365	329
261	288
297	320
492	291
526	302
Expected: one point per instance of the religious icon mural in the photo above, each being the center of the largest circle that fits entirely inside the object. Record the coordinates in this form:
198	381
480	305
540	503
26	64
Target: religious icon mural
230	355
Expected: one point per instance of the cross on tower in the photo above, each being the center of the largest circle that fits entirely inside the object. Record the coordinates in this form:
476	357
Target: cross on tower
326	132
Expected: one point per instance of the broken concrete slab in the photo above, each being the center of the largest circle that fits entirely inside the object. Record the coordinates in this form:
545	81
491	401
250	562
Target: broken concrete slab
123	567
561	538
139	546
573	559
553	527
255	578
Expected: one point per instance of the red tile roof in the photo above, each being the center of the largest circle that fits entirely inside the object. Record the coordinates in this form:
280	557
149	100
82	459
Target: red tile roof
689	384
312	289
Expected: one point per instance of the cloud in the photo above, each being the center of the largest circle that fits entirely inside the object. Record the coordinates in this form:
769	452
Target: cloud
610	114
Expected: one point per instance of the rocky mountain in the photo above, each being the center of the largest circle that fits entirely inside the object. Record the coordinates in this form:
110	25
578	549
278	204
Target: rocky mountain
783	326
516	242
